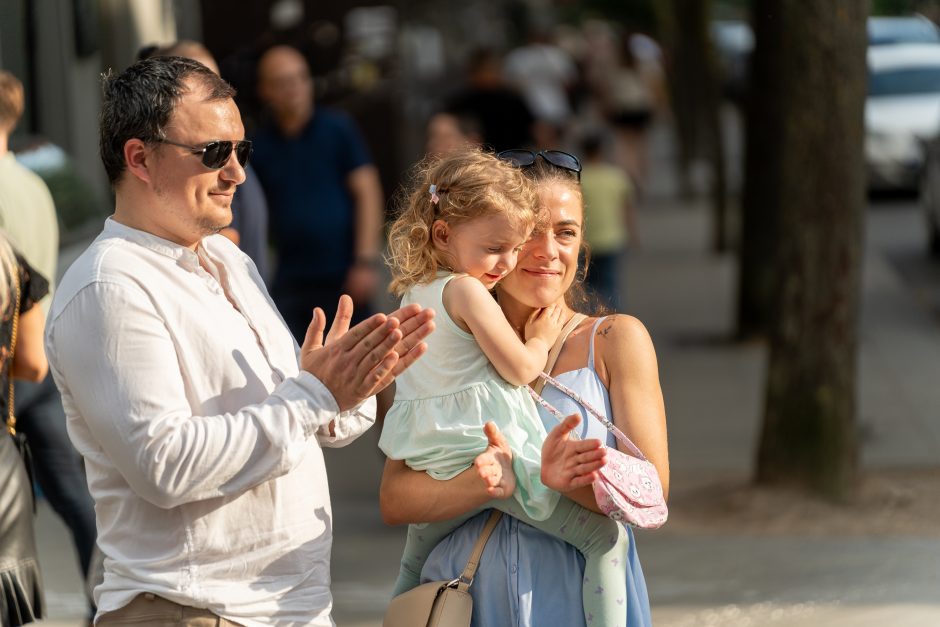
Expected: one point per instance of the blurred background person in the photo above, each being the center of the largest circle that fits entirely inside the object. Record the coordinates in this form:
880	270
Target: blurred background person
249	228
628	100
609	221
324	196
21	330
28	216
543	72
505	119
448	132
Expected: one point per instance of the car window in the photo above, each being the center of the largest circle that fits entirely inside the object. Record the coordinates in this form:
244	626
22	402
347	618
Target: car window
905	81
897	32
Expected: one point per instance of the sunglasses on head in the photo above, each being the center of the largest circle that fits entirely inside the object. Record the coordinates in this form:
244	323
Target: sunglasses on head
527	159
215	154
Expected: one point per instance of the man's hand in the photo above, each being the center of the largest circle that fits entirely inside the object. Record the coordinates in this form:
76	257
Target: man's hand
568	464
494	465
356	363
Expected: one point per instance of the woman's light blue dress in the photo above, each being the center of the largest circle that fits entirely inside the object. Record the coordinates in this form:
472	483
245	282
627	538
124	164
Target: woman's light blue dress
527	578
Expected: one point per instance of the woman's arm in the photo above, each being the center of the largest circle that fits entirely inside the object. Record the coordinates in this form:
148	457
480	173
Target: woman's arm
411	496
470	305
29	358
626	361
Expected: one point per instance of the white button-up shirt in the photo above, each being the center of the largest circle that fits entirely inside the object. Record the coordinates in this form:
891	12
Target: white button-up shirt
200	433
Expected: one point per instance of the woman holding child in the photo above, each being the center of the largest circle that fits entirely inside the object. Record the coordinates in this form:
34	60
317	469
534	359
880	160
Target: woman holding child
528	577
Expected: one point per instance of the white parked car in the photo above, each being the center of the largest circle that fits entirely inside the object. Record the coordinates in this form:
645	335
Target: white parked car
902	112
907	29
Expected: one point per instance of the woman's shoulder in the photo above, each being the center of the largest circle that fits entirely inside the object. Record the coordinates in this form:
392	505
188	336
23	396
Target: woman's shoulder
621	340
620	327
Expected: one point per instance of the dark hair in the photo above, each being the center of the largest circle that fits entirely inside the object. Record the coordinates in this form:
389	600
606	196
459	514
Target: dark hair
592	144
138	103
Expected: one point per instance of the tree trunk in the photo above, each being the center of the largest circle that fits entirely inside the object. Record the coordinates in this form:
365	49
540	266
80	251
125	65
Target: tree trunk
696	98
760	202
680	79
809	435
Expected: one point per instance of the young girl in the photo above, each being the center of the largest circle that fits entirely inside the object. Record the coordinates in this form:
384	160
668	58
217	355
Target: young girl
458	235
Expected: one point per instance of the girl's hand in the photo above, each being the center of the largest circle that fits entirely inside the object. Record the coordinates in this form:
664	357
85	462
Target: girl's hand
569	464
545	324
494	465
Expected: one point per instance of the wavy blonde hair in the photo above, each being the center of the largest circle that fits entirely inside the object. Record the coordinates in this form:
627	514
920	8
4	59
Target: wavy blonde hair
470	184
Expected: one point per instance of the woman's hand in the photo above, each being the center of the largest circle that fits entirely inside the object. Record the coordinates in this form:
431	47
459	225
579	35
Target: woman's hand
494	465
569	464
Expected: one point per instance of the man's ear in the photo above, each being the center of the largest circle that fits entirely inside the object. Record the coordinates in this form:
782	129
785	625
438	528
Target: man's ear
440	233
137	158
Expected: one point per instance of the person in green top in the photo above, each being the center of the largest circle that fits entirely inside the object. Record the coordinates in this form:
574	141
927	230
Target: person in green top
609	221
28	219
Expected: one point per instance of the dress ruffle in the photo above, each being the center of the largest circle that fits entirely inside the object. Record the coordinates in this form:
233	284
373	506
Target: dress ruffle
21	593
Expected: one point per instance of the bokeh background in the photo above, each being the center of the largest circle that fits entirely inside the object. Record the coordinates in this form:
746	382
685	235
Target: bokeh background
784	251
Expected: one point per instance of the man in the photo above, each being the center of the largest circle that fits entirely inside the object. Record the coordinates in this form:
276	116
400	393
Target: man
28	216
324	196
199	417
505	120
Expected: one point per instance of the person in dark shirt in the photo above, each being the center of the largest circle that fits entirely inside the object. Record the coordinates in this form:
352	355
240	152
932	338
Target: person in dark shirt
505	118
324	196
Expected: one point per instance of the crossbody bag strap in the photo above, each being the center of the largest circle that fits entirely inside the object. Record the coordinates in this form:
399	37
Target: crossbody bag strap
557	346
11	419
466	577
604	420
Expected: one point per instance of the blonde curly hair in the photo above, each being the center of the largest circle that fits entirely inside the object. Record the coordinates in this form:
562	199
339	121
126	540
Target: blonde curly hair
469	184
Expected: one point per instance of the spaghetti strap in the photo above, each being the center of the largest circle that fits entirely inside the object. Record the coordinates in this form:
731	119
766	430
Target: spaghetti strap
597	323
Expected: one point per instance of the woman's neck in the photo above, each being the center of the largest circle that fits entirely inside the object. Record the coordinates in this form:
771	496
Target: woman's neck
517	313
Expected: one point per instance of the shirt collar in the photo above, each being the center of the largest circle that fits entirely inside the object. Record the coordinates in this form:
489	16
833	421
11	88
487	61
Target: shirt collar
184	256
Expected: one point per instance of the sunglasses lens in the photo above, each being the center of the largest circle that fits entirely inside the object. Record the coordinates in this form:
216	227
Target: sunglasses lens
216	154
243	152
519	158
563	160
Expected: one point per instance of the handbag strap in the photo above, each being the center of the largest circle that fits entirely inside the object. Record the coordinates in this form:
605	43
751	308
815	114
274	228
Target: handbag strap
11	419
553	354
618	434
466	577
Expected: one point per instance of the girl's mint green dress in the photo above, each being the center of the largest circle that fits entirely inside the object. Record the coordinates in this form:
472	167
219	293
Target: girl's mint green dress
443	400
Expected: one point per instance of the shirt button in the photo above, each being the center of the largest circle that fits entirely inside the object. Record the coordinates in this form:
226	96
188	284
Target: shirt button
512	569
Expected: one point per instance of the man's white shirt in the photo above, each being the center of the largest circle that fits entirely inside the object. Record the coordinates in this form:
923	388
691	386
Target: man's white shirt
200	433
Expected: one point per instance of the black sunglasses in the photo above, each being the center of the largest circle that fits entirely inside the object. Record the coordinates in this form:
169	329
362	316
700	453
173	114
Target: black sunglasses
215	154
527	158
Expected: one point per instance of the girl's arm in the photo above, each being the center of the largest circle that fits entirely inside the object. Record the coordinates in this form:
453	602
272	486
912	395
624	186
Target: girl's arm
29	359
626	362
474	309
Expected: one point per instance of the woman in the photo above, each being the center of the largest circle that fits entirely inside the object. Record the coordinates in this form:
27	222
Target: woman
20	583
527	578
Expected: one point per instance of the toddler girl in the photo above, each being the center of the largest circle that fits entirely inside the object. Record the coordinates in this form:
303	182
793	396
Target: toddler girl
459	233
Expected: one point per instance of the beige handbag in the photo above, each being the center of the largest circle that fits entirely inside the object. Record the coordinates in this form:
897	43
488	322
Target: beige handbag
441	603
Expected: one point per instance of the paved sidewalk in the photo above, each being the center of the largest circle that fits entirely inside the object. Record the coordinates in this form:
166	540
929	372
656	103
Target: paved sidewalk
713	398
